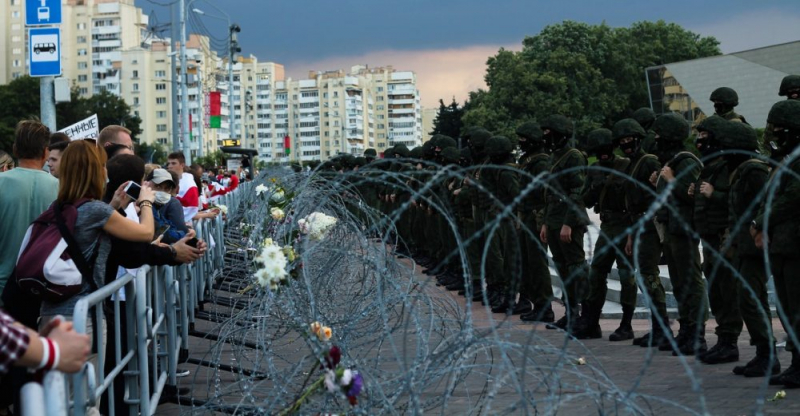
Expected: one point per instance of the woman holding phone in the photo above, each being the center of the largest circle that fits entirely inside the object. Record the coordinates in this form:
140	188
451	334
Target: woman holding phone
82	179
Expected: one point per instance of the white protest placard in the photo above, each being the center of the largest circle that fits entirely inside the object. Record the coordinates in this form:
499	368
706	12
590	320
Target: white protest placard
87	128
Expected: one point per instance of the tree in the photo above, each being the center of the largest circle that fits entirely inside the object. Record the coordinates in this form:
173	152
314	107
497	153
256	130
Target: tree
152	153
19	100
448	119
591	73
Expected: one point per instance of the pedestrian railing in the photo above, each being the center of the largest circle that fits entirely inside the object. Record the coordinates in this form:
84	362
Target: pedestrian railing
159	308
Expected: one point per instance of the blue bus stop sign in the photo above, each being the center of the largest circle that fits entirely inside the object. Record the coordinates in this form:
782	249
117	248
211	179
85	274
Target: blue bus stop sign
42	12
45	51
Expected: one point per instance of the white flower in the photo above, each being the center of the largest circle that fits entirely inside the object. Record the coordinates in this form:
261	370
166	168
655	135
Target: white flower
270	265
260	189
347	377
277	214
278	197
223	209
330	381
316	225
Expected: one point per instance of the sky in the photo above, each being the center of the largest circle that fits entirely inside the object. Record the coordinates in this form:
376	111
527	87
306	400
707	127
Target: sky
447	42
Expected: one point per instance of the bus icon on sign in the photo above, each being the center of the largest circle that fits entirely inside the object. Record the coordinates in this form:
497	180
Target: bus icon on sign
43	13
44	47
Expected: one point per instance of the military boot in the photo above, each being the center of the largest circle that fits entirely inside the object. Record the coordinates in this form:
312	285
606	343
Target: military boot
523	306
761	363
625	330
589	322
542	312
725	351
656	338
694	343
679	339
790	374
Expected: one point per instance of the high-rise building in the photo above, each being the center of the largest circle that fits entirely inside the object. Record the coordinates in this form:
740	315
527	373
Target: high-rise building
145	71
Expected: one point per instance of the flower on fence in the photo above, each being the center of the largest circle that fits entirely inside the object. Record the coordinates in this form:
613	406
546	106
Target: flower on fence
277	214
332	357
270	265
223	209
261	189
346	381
322	332
316	225
290	254
278	197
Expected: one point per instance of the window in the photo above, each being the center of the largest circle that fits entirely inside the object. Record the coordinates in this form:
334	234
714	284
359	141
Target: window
81	39
161	100
161	74
82	52
161	87
135	100
135	87
83	65
16	38
15	14
81	26
82	78
380	89
17	63
162	140
308	94
135	74
161	114
161	127
16	51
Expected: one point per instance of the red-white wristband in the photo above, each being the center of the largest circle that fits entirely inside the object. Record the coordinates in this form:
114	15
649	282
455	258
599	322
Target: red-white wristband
51	354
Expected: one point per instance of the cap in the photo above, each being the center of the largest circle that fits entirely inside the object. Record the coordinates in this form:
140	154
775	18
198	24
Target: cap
160	176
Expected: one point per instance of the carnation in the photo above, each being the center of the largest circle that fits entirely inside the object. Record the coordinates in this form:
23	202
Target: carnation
277	214
261	189
316	225
223	209
270	265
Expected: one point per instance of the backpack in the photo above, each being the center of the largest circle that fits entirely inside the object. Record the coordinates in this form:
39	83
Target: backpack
50	266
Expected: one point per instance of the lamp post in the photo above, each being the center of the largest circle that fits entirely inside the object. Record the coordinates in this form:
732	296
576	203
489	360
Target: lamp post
233	49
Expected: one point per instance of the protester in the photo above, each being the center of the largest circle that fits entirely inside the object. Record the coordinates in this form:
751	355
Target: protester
27	192
188	192
168	210
57	346
114	134
6	162
54	158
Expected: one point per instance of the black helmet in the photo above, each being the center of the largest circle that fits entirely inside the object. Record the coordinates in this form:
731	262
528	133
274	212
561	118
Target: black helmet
671	127
559	124
479	138
530	135
450	155
628	127
360	161
444	142
785	114
370	153
645	117
735	135
498	146
711	124
789	83
725	96
599	138
401	150
416	153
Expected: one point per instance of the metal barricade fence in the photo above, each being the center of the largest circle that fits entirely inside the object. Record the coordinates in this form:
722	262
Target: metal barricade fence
159	306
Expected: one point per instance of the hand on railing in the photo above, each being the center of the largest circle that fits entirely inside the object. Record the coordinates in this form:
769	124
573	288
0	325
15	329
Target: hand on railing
73	347
184	252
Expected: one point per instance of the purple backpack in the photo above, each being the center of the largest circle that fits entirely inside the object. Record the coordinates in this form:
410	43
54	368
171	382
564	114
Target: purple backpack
50	264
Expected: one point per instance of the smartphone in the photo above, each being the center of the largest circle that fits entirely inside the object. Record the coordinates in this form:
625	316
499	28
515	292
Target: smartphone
132	189
160	231
193	242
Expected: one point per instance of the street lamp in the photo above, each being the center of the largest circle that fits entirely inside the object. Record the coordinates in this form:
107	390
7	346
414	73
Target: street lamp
233	49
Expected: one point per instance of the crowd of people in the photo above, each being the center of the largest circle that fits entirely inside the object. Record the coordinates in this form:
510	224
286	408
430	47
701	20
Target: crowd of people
659	199
114	230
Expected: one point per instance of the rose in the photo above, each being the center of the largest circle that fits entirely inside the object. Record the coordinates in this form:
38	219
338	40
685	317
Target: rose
277	214
333	357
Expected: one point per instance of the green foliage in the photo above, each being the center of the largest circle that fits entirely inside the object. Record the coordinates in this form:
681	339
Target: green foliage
448	120
213	159
19	100
593	74
152	153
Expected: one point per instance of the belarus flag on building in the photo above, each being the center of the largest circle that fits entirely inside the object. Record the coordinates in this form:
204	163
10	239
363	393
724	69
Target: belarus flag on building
214	110
287	144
